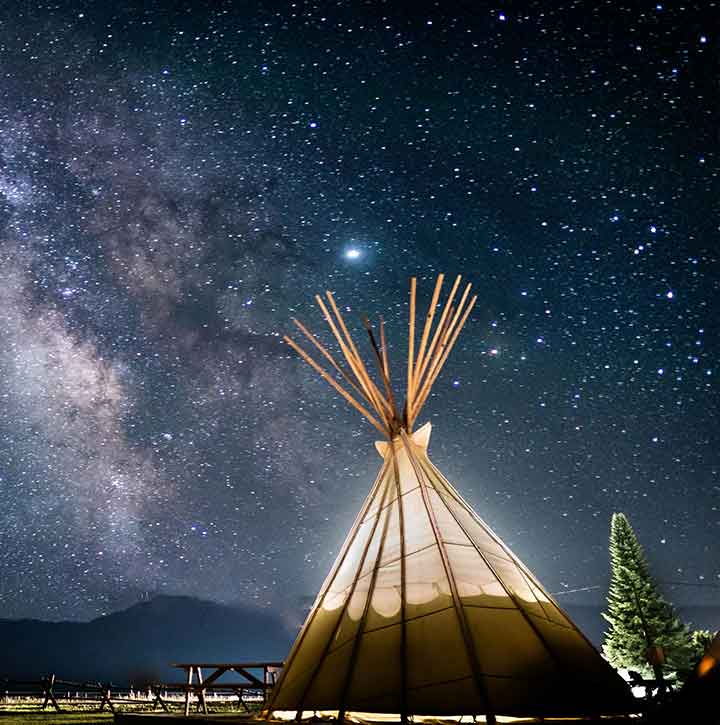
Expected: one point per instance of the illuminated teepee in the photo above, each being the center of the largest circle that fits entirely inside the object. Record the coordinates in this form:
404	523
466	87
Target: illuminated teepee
426	611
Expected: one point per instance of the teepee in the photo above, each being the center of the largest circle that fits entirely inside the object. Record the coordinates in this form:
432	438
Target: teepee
426	611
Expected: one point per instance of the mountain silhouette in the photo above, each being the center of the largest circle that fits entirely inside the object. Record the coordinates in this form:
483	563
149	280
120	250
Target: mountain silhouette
138	644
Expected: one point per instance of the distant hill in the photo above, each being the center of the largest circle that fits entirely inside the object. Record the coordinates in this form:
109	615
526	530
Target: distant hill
139	643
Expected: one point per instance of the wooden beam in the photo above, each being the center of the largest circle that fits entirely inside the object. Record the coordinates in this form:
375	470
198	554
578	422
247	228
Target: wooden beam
411	348
343	326
444	337
384	350
321	659
382	363
362	623
381	401
423	365
380	481
439	330
452	320
346	351
324	374
432	375
330	358
373	396
444	334
428	324
476	668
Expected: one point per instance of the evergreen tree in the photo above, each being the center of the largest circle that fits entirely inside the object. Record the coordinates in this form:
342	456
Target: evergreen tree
701	639
639	617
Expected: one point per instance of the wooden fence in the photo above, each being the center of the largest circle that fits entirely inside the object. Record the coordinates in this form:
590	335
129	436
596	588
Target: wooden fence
52	692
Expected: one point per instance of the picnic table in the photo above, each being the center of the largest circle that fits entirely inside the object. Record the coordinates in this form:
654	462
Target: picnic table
256	676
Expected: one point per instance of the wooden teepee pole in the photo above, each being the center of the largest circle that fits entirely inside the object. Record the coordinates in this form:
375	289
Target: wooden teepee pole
442	333
428	324
380	401
438	330
441	358
330	358
423	365
446	345
411	353
384	350
326	376
384	368
373	396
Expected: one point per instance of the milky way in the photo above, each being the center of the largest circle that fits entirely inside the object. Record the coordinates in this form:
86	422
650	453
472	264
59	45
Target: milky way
177	183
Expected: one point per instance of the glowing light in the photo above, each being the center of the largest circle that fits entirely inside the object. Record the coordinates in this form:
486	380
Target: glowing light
353	253
707	663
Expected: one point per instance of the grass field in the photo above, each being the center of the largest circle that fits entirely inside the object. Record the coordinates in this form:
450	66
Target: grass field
35	717
14	713
15	717
28	712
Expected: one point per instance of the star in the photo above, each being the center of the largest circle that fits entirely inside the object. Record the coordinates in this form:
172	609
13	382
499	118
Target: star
352	253
168	208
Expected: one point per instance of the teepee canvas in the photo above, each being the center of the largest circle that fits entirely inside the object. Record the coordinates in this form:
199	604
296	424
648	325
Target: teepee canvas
425	610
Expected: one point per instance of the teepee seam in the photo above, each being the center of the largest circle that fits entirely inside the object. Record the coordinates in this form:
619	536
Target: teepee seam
343	611
455	494
327	584
403	594
471	652
356	640
511	595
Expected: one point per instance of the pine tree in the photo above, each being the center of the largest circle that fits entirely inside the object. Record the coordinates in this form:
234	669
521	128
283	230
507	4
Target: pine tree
701	639
638	615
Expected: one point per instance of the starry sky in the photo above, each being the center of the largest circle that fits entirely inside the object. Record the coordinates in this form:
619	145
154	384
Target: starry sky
177	180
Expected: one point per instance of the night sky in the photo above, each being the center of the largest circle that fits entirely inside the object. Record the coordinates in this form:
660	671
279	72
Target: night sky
178	180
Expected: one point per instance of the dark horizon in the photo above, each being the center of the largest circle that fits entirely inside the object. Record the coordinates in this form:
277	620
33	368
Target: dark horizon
148	636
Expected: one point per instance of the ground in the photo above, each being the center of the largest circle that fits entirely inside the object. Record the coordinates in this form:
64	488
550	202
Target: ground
15	717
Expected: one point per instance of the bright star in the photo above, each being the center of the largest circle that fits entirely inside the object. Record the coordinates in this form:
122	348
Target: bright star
353	253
